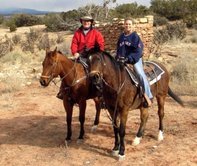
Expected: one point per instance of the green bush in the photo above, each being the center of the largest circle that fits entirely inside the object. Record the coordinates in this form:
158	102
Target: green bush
190	20
1	19
159	20
12	27
26	20
11	24
131	10
54	22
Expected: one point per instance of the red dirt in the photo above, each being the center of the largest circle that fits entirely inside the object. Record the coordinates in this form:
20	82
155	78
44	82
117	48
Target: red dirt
33	128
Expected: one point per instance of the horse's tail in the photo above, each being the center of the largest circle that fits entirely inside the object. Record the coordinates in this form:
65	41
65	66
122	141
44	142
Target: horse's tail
175	97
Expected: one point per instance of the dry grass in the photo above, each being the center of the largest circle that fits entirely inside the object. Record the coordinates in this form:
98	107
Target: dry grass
184	76
191	37
18	62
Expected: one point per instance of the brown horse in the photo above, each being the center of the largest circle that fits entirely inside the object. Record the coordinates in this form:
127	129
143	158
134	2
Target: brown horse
76	84
121	95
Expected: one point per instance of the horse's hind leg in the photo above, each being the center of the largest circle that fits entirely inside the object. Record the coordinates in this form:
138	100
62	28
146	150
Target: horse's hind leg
144	117
160	101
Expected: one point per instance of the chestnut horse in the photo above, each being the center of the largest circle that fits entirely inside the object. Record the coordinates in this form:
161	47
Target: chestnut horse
121	95
76	84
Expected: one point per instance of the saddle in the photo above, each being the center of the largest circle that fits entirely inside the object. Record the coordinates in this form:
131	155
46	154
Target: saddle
83	62
152	70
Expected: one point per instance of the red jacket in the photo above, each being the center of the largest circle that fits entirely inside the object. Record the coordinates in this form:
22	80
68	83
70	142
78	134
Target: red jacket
81	41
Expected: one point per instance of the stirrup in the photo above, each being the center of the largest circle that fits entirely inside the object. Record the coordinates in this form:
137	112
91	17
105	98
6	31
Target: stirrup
60	95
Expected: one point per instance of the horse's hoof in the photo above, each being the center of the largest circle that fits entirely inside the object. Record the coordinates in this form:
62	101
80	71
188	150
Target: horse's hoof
115	153
121	157
94	128
160	136
136	141
66	143
79	141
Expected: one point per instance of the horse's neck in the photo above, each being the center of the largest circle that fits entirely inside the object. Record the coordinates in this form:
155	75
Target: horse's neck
68	70
115	77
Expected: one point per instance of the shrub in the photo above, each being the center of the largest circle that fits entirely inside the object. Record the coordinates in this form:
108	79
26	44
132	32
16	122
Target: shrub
184	76
190	20
1	19
11	24
13	28
177	30
26	20
43	42
16	39
159	20
54	22
60	39
167	33
6	46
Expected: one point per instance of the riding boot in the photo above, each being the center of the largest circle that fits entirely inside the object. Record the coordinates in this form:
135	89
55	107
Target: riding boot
60	94
148	102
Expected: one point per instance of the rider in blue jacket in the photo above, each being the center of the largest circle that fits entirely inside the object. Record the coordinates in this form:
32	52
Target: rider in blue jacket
131	47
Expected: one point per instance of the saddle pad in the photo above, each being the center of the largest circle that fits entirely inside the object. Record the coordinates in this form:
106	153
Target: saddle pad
152	70
130	71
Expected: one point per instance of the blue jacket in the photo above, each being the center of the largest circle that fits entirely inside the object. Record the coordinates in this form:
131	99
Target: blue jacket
131	47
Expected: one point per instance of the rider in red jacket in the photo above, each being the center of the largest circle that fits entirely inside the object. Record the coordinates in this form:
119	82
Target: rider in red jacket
86	37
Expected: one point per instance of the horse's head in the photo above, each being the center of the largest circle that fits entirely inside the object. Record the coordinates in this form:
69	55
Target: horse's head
96	67
97	64
50	67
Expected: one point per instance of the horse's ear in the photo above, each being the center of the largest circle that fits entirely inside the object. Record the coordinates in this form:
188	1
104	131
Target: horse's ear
55	50
47	50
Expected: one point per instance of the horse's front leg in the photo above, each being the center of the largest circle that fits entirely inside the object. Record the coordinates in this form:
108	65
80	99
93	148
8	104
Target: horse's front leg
123	120
115	149
115	124
97	117
82	108
144	117
69	111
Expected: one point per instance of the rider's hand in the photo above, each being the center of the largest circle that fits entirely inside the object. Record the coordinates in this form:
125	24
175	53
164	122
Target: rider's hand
76	55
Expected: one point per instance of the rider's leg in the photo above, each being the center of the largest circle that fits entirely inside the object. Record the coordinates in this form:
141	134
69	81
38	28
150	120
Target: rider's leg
138	67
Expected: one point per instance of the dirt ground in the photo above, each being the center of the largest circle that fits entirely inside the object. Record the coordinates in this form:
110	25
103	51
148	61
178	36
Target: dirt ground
33	128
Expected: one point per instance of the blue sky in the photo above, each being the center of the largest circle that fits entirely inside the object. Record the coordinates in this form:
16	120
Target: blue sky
60	5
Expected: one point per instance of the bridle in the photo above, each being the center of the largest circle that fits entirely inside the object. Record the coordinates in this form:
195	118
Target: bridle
74	81
121	84
51	76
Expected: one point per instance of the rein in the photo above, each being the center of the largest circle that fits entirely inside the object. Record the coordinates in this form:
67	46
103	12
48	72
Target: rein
74	82
121	84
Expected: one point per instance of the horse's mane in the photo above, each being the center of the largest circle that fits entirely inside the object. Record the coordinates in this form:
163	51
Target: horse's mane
60	52
112	59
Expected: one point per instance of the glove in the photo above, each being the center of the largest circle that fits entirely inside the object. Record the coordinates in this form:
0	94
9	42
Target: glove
76	55
122	59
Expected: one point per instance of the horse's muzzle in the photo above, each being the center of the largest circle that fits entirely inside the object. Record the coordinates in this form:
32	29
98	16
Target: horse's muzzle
43	82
